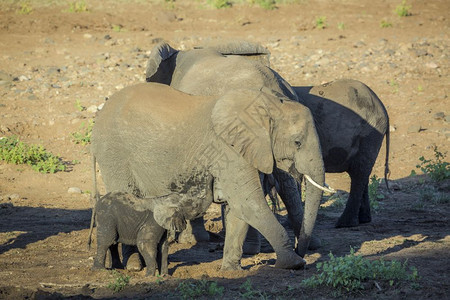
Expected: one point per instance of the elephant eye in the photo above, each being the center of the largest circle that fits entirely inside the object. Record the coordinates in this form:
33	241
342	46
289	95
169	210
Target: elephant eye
298	144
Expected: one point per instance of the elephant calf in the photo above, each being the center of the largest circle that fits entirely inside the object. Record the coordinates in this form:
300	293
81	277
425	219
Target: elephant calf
119	218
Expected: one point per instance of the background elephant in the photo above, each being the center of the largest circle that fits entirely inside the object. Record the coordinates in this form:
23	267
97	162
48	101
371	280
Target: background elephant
217	68
351	122
150	139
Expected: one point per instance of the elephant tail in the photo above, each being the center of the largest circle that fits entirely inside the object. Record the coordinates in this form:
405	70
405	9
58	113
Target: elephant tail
387	172
95	198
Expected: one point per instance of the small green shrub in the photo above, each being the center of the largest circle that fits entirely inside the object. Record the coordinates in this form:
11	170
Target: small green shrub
403	10
190	289
78	6
394	85
266	4
385	24
374	195
247	291
321	22
220	3
341	26
14	151
119	282
117	28
438	169
83	136
348	273
78	105
25	8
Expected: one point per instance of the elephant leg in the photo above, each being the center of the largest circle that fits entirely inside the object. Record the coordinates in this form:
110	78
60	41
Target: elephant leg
350	216
148	249
234	240
357	209
259	217
291	194
162	256
100	258
195	232
364	211
252	244
132	259
115	258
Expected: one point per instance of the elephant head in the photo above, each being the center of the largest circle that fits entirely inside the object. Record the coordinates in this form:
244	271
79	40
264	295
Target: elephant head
216	68
272	131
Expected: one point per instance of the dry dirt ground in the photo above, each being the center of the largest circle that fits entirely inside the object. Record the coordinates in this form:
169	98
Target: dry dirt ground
52	61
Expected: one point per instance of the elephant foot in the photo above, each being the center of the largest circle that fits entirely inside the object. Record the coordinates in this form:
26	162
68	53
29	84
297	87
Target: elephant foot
347	222
134	263
229	266
97	266
290	260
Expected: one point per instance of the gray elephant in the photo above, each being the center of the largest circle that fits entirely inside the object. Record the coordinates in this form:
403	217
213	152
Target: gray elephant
150	139
121	218
215	69
351	122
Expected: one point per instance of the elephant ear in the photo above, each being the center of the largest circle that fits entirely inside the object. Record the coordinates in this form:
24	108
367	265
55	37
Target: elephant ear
241	119
239	47
160	66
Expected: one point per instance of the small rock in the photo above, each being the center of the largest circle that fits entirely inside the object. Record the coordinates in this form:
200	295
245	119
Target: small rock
87	36
74	190
447	119
414	128
392	128
14	197
431	65
119	87
23	78
439	115
101	106
92	109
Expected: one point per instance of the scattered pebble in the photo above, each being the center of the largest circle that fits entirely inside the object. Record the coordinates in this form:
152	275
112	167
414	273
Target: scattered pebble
74	190
414	128
92	109
439	115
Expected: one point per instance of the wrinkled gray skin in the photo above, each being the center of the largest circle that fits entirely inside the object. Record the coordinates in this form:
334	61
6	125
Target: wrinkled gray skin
118	221
351	122
226	66
150	139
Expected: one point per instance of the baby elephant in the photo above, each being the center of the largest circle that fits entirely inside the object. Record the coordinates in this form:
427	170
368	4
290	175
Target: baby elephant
120	219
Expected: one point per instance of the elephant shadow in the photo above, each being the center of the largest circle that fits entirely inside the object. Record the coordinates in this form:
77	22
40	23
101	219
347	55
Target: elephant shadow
33	224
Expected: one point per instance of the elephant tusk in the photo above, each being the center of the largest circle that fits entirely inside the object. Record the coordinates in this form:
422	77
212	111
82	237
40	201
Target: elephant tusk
323	188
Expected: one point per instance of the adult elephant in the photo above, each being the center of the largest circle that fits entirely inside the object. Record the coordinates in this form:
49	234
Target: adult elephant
216	68
351	122
152	140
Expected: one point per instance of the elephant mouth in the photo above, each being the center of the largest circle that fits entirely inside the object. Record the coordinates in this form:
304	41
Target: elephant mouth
285	164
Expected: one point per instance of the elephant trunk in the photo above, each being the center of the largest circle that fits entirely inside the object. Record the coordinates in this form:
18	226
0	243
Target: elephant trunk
313	195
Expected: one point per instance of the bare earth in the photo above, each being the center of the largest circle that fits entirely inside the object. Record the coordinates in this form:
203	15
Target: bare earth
51	58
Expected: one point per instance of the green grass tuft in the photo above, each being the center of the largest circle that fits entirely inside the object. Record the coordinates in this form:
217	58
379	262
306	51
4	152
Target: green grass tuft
190	289
438	169
352	273
14	151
